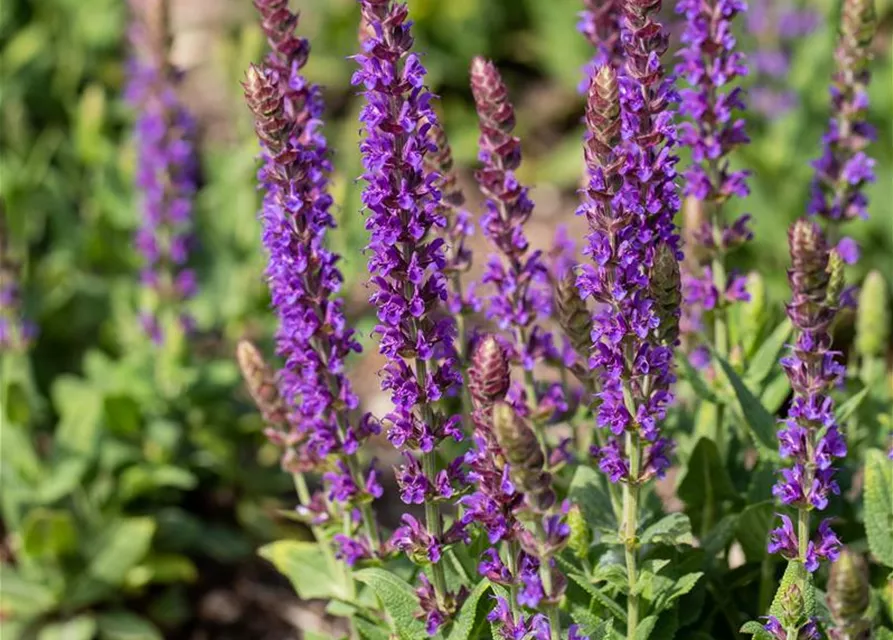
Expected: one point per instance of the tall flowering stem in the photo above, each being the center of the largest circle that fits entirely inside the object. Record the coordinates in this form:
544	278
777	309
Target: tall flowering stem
843	170
522	297
712	67
629	204
407	262
462	298
514	502
600	23
167	172
303	276
810	439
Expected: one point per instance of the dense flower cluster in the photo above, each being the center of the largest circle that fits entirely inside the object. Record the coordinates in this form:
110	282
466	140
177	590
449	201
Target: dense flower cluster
167	172
303	276
712	68
600	24
16	331
521	297
629	204
776	25
810	438
845	168
407	263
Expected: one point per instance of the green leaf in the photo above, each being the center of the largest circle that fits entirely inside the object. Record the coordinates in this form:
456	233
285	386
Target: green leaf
123	625
588	489
795	574
646	626
673	529
21	598
752	531
756	629
697	382
306	568
48	533
399	600
65	475
776	392
706	483
767	356
590	624
679	587
80	409
119	548
761	422
600	598
878	497
370	631
848	408
82	627
465	620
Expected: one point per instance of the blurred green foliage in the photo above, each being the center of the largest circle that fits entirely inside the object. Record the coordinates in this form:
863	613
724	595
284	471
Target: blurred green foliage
126	472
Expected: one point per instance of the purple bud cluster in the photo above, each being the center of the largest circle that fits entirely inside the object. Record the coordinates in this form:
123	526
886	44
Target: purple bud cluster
629	204
514	627
712	68
600	23
521	299
776	25
167	171
843	170
313	336
810	439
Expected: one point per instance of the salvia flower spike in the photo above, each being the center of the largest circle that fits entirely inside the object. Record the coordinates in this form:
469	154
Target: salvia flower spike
712	67
522	297
809	439
600	24
167	173
407	261
303	276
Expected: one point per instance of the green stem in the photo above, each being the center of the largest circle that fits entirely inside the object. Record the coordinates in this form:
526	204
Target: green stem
546	577
514	549
304	498
628	532
434	522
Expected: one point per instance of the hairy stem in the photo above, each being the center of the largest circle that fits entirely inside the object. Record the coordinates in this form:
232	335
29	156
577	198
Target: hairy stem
628	532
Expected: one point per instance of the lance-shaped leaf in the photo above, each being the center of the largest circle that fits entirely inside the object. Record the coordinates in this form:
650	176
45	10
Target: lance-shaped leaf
767	356
399	601
759	421
470	616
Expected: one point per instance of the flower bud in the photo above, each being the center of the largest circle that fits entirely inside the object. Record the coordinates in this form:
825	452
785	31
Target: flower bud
580	537
666	291
261	383
489	374
573	315
835	279
524	454
873	317
809	277
849	592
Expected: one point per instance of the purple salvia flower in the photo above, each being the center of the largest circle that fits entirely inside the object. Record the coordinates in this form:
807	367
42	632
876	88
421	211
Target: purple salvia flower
407	262
776	26
600	23
522	296
166	175
16	331
838	189
313	336
712	67
629	164
810	439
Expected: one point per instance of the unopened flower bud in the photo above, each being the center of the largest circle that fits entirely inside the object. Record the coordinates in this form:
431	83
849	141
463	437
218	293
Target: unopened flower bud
873	317
489	374
580	537
848	593
524	454
573	315
666	291
261	383
266	103
835	279
791	606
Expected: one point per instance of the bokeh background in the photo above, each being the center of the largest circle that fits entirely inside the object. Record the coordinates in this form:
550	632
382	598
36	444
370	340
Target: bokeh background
136	484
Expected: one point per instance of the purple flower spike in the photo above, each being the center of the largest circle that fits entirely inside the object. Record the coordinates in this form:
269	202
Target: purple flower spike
838	189
313	336
810	439
520	278
167	171
629	204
